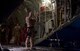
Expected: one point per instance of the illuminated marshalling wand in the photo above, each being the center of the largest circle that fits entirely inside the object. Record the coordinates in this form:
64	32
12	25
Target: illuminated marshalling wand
53	15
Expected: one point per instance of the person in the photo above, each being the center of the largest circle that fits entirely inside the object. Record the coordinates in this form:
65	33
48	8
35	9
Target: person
23	34
16	35
3	35
7	29
30	30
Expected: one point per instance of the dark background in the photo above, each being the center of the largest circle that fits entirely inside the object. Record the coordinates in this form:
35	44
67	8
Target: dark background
69	33
7	7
